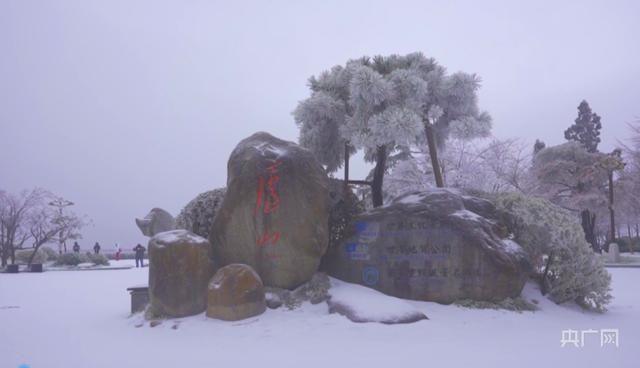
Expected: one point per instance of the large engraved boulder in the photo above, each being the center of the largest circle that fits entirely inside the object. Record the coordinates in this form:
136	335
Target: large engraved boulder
436	246
274	216
156	221
235	292
179	271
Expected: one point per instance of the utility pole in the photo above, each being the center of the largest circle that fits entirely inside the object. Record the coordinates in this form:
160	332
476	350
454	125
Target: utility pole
61	203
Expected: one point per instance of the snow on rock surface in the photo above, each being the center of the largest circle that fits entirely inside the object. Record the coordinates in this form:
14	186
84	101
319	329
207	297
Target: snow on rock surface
173	236
512	247
467	215
362	304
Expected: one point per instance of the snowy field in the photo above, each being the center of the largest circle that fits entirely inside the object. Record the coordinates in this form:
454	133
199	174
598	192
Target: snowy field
81	319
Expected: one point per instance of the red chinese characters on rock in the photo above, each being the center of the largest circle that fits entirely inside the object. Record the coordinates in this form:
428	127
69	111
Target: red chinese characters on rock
268	201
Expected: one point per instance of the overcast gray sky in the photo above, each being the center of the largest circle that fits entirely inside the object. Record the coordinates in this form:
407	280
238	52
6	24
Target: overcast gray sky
121	106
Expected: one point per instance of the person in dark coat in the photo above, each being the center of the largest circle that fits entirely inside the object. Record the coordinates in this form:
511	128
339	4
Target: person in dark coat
76	247
96	248
139	249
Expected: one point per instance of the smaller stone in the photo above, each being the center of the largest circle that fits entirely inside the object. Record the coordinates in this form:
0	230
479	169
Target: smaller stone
614	253
315	290
155	323
235	292
155	222
179	271
273	300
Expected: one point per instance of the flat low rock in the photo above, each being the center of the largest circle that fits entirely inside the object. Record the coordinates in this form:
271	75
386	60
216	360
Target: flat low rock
362	304
274	216
314	291
436	245
179	270
235	292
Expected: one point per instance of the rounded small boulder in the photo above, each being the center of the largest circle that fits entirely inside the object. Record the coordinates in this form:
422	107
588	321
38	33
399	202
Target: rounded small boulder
179	270
235	292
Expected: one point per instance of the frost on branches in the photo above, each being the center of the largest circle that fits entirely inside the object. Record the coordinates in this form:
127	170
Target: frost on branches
477	165
555	240
385	105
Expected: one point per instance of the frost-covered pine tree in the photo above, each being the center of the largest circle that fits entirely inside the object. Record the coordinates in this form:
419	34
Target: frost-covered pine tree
384	105
575	179
586	128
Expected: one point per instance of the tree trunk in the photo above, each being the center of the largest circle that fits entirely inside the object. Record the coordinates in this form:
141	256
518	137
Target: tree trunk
588	225
35	250
630	239
378	175
433	153
346	166
611	210
544	283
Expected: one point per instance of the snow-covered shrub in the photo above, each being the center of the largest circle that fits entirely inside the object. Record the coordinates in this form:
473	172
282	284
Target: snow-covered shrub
51	254
549	232
22	256
341	209
98	259
518	304
197	216
71	259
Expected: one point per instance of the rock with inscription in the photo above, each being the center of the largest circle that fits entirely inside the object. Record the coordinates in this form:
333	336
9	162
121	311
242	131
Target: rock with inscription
179	270
274	216
434	246
156	221
235	292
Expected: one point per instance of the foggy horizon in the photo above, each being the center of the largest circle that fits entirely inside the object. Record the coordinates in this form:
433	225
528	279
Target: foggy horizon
122	107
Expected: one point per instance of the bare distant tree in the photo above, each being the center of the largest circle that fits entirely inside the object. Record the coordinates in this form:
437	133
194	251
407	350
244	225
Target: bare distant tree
29	216
47	225
14	213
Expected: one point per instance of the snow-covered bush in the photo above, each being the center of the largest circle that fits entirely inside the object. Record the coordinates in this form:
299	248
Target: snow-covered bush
98	259
342	208
548	232
71	259
51	254
74	259
22	257
197	216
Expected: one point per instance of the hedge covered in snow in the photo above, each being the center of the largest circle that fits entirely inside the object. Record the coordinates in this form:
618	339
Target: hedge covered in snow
553	236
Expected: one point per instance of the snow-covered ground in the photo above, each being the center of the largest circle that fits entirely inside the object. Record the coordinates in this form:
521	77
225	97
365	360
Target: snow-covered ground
81	319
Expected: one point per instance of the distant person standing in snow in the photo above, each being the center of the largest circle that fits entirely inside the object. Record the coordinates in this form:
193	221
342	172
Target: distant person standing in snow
76	247
117	252
96	248
139	249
